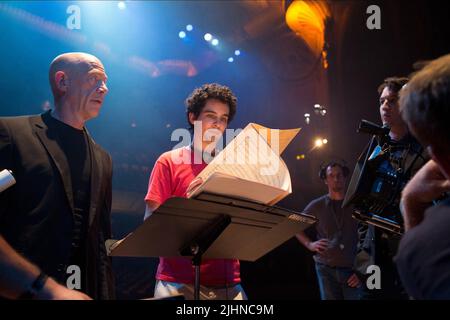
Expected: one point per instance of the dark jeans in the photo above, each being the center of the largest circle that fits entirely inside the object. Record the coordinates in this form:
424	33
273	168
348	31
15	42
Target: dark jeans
333	283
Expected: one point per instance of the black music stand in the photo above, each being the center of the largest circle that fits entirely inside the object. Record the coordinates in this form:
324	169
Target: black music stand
211	226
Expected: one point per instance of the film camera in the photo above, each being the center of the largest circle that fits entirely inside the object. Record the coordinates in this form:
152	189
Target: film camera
380	174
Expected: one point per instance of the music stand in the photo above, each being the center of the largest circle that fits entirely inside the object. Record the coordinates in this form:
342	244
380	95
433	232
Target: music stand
213	227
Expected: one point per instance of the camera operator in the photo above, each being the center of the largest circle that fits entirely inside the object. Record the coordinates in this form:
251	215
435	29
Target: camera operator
402	153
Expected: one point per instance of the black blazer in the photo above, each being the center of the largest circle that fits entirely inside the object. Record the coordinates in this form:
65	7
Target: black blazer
33	210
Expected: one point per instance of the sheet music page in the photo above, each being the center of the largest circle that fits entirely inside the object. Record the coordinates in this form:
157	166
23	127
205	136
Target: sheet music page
249	157
284	136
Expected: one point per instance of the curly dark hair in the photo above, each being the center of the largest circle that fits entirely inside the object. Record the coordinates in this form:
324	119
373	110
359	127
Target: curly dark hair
393	83
197	99
332	164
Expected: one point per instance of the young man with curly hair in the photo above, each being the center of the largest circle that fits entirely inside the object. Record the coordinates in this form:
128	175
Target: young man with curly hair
213	106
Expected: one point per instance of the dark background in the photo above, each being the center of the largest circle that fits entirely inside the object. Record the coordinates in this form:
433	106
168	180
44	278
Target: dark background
276	79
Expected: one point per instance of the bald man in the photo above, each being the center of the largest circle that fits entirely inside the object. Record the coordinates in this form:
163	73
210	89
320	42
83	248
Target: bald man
54	221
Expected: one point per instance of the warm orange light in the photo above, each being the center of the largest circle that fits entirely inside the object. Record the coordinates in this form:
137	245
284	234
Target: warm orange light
307	20
318	143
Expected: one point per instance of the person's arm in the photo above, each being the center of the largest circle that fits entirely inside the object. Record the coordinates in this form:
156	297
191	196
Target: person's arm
159	187
428	184
318	246
353	281
17	275
150	206
153	202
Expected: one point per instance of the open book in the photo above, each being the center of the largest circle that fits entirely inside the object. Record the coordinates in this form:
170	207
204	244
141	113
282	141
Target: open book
250	167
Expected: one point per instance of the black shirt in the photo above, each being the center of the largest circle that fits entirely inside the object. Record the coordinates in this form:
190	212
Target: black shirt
423	258
74	144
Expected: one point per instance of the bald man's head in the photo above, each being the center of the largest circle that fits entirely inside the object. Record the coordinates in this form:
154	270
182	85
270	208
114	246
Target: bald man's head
78	81
72	64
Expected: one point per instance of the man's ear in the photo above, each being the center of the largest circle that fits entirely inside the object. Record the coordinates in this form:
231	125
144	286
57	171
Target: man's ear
442	159
61	81
192	118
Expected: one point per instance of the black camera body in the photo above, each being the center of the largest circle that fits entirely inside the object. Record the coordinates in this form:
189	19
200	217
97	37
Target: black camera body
379	177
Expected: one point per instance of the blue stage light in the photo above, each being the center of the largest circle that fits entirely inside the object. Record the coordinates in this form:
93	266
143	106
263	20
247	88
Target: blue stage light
208	37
